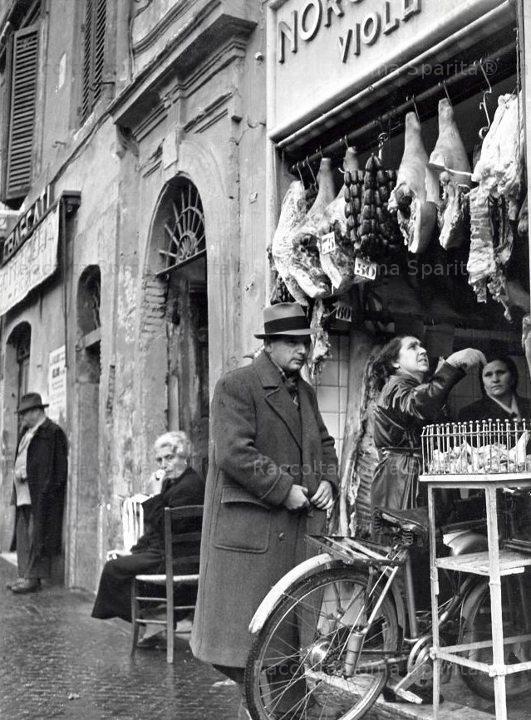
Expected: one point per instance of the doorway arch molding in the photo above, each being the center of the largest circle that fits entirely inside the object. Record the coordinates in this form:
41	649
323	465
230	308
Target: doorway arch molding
216	183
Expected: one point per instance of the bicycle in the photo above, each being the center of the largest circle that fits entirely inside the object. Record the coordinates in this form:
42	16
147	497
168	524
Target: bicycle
337	630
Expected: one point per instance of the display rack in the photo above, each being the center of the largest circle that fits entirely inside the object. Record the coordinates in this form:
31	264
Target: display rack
494	563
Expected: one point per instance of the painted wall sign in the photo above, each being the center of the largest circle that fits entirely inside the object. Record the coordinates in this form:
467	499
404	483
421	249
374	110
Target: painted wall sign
27	222
326	50
368	27
32	264
57	386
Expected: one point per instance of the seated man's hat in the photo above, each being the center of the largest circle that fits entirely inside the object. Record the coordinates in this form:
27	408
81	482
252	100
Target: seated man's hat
285	319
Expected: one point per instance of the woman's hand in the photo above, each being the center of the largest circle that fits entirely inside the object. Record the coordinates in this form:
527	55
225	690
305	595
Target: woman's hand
467	359
324	497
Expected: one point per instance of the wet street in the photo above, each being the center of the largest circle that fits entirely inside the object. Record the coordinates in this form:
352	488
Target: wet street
58	662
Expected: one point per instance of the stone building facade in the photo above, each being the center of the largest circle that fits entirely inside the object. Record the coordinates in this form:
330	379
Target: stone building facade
143	124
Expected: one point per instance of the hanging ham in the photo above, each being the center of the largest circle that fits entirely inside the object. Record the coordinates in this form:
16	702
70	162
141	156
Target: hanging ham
292	213
416	216
338	261
305	264
449	165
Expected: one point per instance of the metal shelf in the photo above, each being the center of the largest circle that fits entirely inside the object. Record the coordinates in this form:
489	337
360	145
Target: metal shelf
511	562
472	479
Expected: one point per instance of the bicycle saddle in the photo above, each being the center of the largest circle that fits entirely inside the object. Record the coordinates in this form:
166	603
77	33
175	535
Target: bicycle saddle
414	520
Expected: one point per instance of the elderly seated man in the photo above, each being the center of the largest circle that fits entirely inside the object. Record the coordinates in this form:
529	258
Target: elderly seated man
181	485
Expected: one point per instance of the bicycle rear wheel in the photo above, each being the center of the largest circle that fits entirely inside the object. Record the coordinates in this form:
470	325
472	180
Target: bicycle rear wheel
477	627
299	667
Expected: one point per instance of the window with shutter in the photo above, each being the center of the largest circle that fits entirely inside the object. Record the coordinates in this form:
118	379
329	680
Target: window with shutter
22	112
93	54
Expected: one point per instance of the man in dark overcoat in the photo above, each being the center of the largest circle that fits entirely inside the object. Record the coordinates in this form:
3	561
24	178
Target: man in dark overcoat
272	477
41	468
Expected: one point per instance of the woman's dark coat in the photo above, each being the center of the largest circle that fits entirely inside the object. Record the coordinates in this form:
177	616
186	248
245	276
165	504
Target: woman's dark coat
404	406
262	445
47	469
486	408
114	591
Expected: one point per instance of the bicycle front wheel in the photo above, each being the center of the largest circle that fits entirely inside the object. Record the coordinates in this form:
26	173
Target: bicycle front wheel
308	661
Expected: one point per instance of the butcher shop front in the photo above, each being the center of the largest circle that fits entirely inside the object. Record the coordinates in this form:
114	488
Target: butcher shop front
397	205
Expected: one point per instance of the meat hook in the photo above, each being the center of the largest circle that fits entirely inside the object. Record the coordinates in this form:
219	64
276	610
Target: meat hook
308	165
483	103
445	88
414	103
383	137
298	169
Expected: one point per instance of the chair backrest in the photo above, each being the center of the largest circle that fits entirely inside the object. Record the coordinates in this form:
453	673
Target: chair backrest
186	512
132	522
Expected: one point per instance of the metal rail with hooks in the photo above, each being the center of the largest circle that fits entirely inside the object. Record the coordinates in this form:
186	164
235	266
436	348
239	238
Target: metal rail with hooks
411	102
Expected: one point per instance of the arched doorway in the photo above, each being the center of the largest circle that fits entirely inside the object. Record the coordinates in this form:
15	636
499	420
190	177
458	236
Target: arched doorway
86	494
16	383
178	267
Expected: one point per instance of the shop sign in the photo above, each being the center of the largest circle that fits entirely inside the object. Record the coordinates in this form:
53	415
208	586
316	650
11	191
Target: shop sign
326	50
26	224
35	261
57	386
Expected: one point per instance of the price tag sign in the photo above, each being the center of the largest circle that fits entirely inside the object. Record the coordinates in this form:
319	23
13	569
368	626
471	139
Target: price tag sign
343	311
365	269
328	243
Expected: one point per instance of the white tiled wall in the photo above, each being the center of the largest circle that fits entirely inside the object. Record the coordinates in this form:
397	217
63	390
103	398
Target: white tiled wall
331	389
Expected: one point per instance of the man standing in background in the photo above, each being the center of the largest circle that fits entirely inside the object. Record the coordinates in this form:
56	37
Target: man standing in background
41	468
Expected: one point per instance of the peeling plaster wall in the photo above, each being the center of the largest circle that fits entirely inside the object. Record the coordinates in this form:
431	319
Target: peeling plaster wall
213	134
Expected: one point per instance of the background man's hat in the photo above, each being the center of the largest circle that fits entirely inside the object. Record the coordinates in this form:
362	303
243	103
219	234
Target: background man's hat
30	401
285	319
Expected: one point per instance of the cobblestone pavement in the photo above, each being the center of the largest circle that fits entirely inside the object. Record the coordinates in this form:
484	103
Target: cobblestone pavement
58	662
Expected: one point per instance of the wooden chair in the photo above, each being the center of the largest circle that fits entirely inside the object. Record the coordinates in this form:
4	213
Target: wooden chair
168	580
132	524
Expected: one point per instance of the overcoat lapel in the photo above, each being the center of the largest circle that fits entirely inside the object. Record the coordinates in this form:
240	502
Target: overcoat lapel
278	397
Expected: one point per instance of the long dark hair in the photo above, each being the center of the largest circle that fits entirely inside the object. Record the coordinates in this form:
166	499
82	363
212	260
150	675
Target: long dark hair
511	367
383	366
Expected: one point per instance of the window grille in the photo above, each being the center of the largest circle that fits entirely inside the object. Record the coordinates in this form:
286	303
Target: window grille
93	54
184	229
22	112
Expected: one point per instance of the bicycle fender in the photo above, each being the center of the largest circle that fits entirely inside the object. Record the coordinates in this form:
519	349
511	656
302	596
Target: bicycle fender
471	599
400	606
304	569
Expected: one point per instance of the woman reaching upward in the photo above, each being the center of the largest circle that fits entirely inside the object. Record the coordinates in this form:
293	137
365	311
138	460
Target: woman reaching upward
409	400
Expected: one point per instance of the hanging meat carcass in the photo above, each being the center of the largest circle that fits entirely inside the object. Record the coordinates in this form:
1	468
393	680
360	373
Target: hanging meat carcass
481	263
292	213
523	220
500	164
416	216
321	348
449	164
338	258
304	263
499	173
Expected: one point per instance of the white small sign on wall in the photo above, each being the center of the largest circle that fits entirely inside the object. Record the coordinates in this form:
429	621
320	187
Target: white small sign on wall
57	386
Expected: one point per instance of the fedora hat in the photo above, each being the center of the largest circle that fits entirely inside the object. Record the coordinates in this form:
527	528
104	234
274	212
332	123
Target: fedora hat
285	319
30	401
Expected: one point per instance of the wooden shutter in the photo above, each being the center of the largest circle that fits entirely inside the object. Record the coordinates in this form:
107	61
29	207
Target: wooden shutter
22	112
93	54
